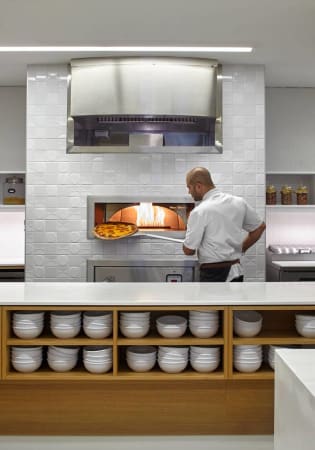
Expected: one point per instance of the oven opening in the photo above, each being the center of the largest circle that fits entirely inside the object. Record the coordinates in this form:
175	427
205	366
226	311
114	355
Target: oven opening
147	216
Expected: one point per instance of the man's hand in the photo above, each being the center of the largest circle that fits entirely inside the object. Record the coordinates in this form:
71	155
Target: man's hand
188	251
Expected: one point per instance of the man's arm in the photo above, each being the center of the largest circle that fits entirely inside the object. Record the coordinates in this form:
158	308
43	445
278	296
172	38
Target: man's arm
188	251
253	237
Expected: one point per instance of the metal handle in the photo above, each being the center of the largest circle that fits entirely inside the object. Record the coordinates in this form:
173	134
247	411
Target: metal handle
157	236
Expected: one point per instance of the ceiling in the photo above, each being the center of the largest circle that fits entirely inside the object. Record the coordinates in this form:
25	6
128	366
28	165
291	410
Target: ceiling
282	32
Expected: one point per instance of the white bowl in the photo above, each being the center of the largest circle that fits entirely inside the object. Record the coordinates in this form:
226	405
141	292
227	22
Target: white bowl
247	323
205	366
98	367
171	331
30	350
172	367
134	331
28	332
203	331
174	350
61	365
246	366
28	315
27	366
305	330
70	350
135	315
140	365
141	350
97	332
65	332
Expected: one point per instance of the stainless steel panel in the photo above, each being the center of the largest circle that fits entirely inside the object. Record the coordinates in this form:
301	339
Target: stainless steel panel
141	274
146	139
152	86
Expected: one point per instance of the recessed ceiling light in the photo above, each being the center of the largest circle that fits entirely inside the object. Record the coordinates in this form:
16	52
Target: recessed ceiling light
166	49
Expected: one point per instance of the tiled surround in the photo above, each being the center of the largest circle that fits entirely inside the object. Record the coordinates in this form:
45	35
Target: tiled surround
58	183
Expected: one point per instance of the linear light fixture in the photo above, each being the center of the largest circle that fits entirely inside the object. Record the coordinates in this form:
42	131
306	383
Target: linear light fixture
166	49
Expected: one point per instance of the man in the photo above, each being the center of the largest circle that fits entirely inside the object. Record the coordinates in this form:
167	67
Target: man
215	229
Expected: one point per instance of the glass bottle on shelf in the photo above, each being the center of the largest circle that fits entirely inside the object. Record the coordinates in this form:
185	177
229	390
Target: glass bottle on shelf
271	195
286	195
301	195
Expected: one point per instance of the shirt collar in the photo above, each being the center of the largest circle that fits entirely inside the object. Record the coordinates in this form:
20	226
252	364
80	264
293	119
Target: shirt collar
210	193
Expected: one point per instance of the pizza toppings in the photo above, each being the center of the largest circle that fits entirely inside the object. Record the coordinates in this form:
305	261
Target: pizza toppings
114	230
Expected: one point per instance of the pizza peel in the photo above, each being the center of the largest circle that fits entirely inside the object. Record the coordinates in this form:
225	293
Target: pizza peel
133	229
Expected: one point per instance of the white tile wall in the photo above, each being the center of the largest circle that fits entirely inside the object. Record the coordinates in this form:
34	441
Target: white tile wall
58	183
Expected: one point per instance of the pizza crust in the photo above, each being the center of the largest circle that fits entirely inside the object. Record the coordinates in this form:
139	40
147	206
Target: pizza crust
114	230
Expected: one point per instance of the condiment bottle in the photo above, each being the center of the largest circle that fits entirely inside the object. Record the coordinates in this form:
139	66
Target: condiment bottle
271	195
286	195
301	195
14	191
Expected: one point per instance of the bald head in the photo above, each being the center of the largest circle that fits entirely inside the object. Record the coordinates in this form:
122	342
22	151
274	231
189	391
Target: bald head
199	175
199	182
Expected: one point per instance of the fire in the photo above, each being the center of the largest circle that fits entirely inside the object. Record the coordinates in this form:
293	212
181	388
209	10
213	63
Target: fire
149	215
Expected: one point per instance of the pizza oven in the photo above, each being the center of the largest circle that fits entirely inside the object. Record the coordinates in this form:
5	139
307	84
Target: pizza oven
158	216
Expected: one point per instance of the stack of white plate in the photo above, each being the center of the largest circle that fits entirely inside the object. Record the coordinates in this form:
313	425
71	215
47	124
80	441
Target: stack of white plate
305	325
141	358
247	358
204	324
204	359
134	324
97	324
97	359
26	359
65	324
247	323
62	359
28	324
271	353
171	326
173	359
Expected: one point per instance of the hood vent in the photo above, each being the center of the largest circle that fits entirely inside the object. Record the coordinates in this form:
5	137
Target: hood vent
138	105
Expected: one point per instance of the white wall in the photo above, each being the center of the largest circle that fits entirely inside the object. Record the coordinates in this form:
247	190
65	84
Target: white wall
290	129
12	129
58	183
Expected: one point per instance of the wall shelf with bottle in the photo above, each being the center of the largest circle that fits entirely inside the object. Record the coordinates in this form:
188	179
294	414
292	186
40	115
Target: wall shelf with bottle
290	190
12	191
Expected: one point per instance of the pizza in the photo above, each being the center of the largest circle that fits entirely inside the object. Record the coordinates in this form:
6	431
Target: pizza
114	230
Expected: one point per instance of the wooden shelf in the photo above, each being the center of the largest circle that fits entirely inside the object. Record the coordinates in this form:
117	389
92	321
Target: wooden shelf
158	374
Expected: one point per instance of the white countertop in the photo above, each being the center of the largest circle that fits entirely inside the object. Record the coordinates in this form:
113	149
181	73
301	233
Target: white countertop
155	294
294	399
301	362
298	264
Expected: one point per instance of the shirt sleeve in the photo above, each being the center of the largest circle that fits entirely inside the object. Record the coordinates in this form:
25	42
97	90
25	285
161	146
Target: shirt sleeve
195	231
251	219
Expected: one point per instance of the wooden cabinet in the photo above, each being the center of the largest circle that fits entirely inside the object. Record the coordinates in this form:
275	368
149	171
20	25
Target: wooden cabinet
121	402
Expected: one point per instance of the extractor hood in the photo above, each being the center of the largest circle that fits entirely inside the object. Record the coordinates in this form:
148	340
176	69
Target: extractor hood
167	105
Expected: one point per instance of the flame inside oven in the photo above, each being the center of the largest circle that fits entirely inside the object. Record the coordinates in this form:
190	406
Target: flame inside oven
149	215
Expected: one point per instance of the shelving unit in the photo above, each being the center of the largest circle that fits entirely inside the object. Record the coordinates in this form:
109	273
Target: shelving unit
122	401
293	179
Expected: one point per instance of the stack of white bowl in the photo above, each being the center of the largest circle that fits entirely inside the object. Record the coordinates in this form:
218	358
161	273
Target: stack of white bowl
141	358
97	359
204	359
271	353
97	324
62	359
26	359
171	326
247	323
65	324
134	324
204	324
247	358
305	325
173	359
28	324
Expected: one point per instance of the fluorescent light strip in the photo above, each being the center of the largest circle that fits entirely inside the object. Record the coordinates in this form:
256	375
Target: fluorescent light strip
44	49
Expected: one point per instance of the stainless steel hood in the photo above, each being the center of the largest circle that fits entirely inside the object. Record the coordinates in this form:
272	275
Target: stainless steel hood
145	105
